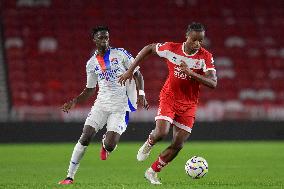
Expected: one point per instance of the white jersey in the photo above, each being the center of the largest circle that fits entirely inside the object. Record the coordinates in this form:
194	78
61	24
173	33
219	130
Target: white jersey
106	71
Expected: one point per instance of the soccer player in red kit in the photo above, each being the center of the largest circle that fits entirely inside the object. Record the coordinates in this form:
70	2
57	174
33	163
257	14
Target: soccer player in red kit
189	66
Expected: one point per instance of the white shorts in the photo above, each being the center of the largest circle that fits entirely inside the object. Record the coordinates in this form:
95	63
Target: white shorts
115	121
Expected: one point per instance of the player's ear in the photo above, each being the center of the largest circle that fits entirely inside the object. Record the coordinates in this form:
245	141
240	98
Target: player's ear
187	35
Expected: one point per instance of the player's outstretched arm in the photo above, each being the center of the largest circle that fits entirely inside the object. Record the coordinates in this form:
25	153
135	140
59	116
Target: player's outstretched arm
142	55
141	97
85	94
209	79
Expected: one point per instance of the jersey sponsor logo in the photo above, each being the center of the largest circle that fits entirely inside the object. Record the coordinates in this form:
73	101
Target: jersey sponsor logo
178	73
108	75
114	61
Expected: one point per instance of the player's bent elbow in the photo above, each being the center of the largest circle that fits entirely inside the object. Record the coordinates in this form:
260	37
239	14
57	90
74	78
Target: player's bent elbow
213	85
152	47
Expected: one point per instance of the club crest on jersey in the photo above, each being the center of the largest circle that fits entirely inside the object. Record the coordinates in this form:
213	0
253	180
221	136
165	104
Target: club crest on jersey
197	64
114	61
194	63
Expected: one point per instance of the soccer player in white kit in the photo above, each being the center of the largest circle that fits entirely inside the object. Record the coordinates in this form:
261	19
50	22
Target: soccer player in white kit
113	103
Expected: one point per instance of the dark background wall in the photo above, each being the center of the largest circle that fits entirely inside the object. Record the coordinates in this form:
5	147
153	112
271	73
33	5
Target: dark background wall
12	132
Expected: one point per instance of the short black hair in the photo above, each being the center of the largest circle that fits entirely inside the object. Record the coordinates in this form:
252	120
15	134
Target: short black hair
99	28
198	27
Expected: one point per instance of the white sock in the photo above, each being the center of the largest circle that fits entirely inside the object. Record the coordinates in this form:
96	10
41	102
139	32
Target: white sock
77	155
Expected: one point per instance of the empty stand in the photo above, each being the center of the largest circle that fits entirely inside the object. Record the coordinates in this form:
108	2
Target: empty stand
247	45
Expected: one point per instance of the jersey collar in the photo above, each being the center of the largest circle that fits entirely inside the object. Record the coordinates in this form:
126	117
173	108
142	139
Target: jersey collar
96	51
183	44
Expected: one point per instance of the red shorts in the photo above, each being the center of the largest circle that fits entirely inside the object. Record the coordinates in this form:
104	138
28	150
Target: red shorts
182	117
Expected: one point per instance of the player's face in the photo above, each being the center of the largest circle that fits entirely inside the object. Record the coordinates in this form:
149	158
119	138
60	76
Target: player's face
194	40
101	39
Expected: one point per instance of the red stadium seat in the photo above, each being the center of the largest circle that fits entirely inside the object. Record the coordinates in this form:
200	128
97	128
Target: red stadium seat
61	74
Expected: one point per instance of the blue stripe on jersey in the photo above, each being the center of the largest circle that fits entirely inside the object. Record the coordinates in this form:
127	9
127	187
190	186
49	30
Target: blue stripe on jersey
127	117
106	59
129	56
131	107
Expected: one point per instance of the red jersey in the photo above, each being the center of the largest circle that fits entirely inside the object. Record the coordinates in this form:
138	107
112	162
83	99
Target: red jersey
180	88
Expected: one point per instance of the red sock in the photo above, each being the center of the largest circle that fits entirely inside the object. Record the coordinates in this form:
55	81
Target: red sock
158	164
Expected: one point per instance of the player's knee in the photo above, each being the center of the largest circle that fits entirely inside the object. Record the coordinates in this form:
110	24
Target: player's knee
177	146
85	139
162	134
109	146
159	134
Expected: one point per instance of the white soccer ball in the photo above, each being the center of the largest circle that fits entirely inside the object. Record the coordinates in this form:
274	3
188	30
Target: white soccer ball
196	167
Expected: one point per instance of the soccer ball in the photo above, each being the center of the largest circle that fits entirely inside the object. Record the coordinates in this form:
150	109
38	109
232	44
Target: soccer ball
196	167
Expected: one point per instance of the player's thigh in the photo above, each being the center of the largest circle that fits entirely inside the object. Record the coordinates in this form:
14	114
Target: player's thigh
87	134
112	138
117	122
97	118
185	122
162	128
164	118
165	111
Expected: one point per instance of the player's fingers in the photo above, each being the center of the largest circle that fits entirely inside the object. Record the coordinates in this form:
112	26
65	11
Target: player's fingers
147	106
123	82
120	80
63	108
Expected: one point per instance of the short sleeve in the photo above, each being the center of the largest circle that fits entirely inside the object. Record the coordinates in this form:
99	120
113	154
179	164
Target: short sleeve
209	63
127	59
162	49
92	77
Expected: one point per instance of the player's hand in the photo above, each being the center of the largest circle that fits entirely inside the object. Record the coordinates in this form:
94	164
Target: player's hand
123	78
67	106
183	66
142	101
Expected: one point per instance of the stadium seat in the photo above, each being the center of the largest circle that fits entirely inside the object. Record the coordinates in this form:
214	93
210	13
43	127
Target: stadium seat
50	44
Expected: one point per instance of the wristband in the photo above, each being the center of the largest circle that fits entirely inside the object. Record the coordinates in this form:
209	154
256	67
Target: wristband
141	92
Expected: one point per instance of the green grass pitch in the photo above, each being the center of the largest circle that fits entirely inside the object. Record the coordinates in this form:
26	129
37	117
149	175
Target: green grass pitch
251	165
